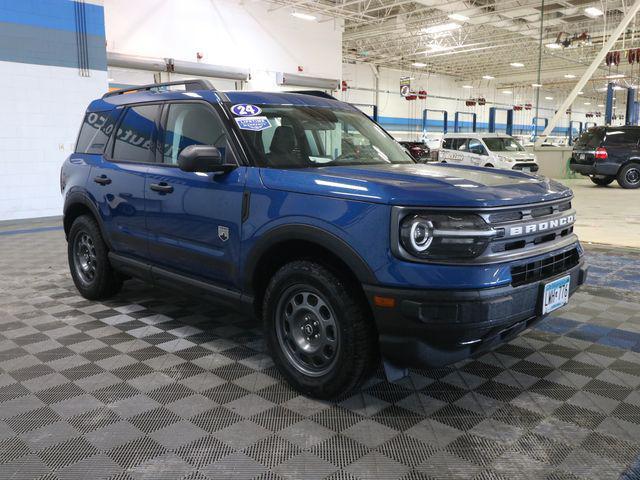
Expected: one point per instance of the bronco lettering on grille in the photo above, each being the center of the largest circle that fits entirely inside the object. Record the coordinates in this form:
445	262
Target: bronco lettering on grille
542	226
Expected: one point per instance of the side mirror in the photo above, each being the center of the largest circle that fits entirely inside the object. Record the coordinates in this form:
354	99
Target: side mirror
202	158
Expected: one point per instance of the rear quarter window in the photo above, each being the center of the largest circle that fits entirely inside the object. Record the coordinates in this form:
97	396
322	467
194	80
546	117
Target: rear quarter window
95	131
622	137
592	138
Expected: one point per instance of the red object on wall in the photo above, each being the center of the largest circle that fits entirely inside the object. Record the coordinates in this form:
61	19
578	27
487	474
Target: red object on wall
344	86
411	96
528	106
470	103
482	101
300	68
422	94
199	55
517	108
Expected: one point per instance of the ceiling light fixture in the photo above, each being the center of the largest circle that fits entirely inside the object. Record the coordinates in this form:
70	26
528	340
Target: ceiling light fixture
445	27
507	92
548	98
616	75
601	105
488	77
536	85
419	64
459	17
517	64
569	75
304	16
553	46
587	103
580	93
593	11
467	86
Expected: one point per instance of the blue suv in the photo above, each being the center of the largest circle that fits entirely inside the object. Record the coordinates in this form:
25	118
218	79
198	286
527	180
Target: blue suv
298	208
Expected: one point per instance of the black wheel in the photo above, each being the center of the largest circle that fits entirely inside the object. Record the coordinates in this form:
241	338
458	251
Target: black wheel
318	330
90	268
602	180
629	176
488	165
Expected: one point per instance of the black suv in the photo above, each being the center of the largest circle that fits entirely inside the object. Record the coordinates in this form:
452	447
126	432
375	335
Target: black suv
606	154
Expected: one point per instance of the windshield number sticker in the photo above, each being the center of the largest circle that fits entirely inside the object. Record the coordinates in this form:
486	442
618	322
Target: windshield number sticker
245	110
255	124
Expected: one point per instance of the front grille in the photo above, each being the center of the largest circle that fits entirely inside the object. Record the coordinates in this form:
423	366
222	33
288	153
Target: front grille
506	216
543	269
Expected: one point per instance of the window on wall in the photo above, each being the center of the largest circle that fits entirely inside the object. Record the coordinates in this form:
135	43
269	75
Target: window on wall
191	124
136	134
95	131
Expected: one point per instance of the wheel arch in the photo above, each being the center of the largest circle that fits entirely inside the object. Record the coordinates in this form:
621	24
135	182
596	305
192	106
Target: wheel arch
78	204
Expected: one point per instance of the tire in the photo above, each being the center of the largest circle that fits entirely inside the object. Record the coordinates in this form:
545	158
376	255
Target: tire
307	305
602	181
629	176
91	271
488	165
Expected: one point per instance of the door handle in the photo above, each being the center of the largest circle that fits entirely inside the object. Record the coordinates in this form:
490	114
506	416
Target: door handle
102	180
161	187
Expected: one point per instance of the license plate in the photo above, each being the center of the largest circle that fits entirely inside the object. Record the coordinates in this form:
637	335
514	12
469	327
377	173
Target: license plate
582	156
526	169
555	294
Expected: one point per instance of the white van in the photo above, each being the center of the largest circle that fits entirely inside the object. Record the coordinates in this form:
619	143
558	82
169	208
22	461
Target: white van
487	150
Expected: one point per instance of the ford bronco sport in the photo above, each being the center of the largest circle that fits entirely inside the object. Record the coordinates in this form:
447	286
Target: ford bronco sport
298	208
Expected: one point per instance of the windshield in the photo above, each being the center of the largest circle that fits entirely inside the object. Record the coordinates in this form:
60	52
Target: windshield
284	136
503	144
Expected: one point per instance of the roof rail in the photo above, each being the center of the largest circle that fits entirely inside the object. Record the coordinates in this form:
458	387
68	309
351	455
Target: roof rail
314	93
194	84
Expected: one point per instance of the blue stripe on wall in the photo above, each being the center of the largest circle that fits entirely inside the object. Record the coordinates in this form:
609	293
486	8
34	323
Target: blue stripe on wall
53	14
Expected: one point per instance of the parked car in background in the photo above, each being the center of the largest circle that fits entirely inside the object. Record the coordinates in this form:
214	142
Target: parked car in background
605	154
418	150
487	150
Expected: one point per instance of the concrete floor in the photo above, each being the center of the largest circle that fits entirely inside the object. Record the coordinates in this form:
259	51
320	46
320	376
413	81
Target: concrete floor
608	215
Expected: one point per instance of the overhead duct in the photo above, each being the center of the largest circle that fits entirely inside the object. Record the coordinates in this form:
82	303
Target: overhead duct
290	79
135	62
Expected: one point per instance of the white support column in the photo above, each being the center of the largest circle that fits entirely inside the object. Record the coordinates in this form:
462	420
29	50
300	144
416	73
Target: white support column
630	15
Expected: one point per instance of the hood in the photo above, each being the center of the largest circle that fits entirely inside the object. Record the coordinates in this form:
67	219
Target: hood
439	185
518	156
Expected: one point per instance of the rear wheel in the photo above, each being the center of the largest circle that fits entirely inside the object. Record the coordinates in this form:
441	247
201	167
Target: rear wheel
90	268
629	176
488	165
602	180
319	333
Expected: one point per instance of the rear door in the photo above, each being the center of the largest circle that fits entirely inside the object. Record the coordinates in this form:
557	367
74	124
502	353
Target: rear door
584	148
117	181
193	218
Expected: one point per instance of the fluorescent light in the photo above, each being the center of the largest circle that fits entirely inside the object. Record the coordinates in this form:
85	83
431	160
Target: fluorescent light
507	92
616	75
488	77
517	64
434	47
587	103
580	93
601	105
304	16
618	87
419	64
553	46
459	17
445	27
569	75
467	86
109	80
593	11
548	98
536	85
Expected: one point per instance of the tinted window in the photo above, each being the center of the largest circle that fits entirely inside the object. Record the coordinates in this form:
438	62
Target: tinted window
136	134
503	144
461	144
455	143
622	137
475	146
592	138
191	124
94	132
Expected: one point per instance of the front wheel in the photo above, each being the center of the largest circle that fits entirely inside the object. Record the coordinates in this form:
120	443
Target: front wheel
90	268
629	176
318	330
602	180
488	165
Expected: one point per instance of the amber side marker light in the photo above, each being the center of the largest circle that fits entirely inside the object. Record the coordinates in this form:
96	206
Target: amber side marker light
385	302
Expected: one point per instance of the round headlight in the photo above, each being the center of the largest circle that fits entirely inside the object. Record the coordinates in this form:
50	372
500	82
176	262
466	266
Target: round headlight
417	234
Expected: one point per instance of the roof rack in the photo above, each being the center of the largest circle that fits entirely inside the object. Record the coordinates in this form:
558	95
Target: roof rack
314	93
189	85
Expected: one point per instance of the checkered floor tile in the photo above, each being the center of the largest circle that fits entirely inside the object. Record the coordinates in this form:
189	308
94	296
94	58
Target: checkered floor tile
153	385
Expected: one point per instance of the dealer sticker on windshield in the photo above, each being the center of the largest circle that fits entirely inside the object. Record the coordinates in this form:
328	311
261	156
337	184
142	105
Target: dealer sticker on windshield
246	110
255	124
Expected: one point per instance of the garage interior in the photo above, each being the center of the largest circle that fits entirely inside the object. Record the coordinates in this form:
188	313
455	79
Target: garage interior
156	385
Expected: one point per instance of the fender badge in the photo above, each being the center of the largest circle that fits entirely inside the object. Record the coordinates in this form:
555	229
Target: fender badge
223	233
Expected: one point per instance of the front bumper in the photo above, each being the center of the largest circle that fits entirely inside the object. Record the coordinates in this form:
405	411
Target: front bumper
433	328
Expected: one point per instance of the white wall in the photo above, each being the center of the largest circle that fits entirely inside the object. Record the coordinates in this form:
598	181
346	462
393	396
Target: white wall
445	93
247	34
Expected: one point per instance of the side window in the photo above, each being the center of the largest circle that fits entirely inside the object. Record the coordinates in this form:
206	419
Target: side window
475	146
191	124
447	144
462	144
136	134
95	131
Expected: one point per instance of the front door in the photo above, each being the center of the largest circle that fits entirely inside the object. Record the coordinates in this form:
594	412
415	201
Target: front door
194	218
